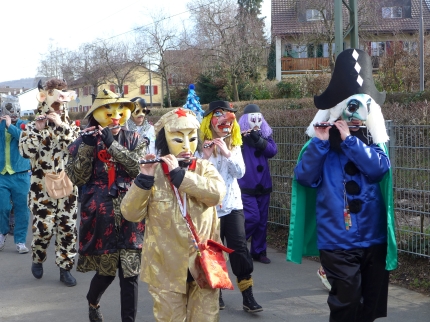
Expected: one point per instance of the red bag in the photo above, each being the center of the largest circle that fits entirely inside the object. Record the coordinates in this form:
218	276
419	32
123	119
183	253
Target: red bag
214	265
210	253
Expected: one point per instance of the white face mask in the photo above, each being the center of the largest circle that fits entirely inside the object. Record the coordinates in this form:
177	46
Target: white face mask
255	120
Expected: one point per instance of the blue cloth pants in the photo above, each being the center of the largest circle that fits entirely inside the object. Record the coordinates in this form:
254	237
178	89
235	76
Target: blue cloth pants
15	187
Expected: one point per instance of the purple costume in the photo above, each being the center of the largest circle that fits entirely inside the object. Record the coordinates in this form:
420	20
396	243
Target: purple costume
256	185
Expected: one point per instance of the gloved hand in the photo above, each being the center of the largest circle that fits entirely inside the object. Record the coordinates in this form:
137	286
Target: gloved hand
89	140
255	136
107	137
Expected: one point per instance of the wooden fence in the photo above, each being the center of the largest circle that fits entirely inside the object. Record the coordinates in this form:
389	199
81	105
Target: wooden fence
298	65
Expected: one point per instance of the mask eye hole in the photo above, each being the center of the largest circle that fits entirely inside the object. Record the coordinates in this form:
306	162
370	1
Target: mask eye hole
353	106
368	103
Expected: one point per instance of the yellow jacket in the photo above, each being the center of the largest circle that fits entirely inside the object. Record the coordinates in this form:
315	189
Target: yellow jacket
168	251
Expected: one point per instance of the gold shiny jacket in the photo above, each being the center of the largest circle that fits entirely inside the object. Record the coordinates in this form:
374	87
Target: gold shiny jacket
168	251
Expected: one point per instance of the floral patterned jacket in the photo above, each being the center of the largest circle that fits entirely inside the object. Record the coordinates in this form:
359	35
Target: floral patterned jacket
104	176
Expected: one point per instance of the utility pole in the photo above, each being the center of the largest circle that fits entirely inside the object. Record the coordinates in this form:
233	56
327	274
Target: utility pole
421	47
150	84
338	27
352	31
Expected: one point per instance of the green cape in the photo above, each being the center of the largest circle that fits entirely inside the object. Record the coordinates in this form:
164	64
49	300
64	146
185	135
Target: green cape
302	240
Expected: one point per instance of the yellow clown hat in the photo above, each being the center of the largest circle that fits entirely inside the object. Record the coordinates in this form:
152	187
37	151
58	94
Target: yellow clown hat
105	97
176	120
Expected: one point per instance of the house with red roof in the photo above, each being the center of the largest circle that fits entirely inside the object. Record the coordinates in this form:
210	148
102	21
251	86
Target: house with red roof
303	31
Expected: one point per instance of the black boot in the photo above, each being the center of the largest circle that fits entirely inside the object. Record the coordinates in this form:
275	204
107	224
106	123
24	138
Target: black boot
249	303
37	270
67	278
221	301
95	314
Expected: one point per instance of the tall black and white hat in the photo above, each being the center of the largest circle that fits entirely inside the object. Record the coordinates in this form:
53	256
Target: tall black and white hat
352	79
352	75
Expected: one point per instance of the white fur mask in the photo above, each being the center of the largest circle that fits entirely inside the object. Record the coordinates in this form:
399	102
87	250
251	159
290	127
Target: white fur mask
369	112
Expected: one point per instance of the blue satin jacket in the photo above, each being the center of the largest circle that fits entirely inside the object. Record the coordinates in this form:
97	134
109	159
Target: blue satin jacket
324	169
18	163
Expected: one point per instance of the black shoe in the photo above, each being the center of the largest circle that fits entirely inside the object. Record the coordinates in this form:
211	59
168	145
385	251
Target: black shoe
249	303
262	258
37	270
67	278
95	314
221	301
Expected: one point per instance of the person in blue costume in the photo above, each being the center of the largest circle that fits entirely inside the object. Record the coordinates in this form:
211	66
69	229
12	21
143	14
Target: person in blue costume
256	184
342	199
193	103
14	175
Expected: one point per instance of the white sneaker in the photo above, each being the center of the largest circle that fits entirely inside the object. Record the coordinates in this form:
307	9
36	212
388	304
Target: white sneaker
323	278
2	240
20	247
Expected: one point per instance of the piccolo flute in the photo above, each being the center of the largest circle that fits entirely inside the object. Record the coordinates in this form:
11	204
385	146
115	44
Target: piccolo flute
40	118
332	124
159	160
82	133
212	143
245	133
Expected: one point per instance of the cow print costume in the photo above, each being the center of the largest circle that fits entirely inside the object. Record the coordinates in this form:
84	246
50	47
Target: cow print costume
48	153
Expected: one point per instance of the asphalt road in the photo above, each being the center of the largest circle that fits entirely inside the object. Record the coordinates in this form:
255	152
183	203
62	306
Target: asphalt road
287	292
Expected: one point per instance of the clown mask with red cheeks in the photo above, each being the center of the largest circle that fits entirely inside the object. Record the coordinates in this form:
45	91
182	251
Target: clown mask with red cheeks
222	122
112	114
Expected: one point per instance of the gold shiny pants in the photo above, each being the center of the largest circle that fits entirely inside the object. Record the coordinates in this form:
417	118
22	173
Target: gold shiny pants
196	305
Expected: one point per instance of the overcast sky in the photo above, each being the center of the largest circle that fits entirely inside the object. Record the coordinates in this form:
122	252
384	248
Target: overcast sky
29	26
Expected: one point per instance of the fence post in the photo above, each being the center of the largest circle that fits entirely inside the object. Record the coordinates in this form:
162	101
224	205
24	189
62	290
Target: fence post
391	143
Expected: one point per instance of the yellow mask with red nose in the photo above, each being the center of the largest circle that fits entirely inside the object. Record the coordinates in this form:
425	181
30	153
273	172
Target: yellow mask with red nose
109	109
112	114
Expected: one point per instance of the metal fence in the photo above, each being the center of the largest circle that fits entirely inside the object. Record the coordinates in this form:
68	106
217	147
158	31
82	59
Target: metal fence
409	149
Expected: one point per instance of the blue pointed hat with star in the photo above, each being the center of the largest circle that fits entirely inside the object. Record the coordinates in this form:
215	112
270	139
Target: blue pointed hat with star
193	103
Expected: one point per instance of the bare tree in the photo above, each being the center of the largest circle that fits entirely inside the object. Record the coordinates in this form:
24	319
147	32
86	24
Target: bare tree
87	66
118	61
157	39
399	69
229	38
53	63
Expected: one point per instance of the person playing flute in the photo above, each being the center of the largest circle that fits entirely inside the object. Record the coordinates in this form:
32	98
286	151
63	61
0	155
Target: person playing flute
162	194
104	165
342	194
218	122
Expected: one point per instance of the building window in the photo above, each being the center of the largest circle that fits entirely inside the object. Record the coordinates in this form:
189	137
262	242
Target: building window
377	48
146	90
391	12
410	46
314	14
115	89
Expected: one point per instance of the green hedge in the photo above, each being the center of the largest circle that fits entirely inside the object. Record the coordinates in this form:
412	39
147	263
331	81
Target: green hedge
408	109
401	108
